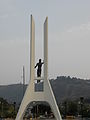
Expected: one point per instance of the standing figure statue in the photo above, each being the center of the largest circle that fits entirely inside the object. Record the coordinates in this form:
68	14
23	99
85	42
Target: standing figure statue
39	69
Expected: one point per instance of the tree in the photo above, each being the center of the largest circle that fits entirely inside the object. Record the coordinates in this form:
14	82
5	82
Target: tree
72	108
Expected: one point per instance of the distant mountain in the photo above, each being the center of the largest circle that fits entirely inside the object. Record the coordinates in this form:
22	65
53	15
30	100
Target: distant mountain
63	88
70	88
12	93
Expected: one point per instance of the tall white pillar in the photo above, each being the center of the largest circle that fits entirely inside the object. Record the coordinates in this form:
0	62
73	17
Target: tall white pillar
49	96
32	49
30	89
46	49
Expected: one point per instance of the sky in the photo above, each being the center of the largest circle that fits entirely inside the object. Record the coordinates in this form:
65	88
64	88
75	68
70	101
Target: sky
68	38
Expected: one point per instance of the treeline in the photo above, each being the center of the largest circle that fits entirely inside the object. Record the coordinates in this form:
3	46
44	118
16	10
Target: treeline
7	110
80	107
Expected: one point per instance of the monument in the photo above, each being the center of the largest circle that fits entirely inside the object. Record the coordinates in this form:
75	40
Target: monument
47	94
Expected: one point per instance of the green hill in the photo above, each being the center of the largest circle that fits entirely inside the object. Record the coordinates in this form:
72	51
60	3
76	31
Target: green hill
63	88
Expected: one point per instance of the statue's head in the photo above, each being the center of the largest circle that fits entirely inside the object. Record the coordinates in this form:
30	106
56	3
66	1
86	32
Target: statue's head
39	60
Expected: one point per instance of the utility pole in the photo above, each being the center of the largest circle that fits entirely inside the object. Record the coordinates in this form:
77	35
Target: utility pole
23	79
81	102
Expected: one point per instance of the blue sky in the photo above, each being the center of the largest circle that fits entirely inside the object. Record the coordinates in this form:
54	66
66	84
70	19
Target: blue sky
69	37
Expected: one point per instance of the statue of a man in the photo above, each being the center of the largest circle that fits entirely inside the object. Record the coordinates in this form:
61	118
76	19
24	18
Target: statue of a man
39	69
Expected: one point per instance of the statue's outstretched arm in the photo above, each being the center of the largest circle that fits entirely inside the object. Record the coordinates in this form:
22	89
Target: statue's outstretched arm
36	66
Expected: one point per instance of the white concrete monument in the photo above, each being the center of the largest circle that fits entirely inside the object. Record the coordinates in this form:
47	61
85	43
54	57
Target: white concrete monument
47	94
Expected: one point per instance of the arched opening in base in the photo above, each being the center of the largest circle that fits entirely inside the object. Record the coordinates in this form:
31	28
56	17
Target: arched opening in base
38	110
